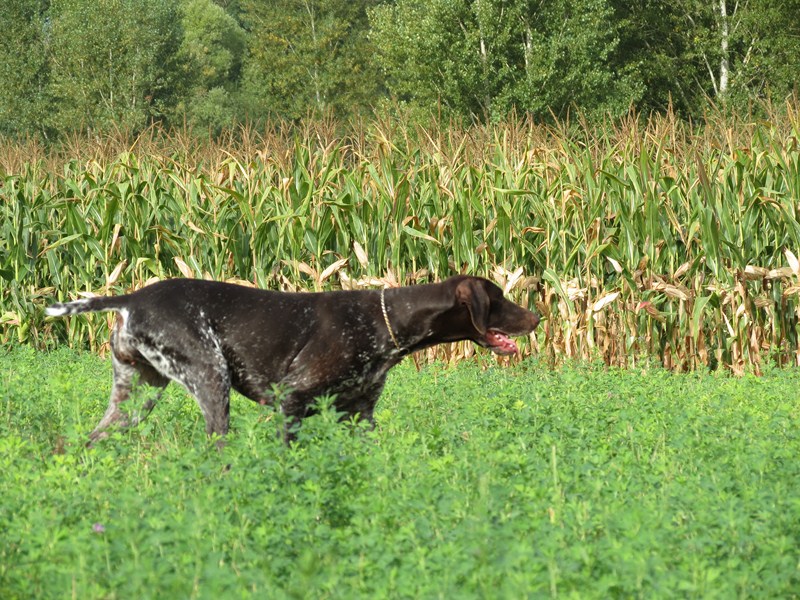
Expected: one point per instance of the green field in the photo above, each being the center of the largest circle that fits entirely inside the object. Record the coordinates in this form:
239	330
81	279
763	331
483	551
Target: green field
478	482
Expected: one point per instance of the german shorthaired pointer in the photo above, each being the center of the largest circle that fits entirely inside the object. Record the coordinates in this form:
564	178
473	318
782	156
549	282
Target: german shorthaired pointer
211	337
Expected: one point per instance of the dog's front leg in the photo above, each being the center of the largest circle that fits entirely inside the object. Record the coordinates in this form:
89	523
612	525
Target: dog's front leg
213	396
295	407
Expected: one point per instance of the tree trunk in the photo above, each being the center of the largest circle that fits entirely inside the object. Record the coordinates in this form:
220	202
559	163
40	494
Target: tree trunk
487	99
723	63
314	71
528	52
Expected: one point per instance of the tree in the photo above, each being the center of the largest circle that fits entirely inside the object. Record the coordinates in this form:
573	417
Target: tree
308	55
572	59
657	47
759	49
486	57
116	61
747	50
211	54
213	45
24	95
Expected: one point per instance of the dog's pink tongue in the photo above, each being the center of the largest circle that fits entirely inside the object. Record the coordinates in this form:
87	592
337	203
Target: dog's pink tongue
500	343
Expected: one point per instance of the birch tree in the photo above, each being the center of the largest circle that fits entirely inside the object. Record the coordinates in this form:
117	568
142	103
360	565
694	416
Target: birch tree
115	60
307	55
748	47
487	57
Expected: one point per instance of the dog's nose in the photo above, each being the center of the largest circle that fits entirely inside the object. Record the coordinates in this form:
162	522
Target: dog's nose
534	320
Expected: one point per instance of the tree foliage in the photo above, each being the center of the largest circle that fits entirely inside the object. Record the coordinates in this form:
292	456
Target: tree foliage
94	64
213	44
211	56
490	56
763	49
115	61
24	72
307	55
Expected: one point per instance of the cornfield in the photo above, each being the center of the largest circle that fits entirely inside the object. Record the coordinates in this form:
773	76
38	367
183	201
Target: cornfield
640	239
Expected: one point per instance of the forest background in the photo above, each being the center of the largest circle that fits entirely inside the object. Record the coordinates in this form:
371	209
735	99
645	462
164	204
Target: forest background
87	65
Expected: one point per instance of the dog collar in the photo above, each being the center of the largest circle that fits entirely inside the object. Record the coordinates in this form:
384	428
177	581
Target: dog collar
386	319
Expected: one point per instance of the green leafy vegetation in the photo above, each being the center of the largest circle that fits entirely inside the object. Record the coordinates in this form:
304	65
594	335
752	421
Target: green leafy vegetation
94	66
477	482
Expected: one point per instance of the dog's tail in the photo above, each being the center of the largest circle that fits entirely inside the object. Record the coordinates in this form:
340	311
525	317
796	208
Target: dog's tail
96	304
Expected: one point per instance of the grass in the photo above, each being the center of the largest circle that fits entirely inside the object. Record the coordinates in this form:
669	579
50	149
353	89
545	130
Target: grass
479	482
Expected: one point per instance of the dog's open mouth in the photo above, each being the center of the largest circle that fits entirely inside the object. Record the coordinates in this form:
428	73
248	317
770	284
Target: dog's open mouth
499	343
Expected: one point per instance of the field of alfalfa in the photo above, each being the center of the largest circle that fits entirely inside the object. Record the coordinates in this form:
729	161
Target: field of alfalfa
525	482
643	446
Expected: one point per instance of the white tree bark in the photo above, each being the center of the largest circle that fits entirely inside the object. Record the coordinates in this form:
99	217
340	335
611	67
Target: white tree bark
724	66
314	70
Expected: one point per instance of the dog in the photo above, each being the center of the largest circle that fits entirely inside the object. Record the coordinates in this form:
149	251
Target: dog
211	336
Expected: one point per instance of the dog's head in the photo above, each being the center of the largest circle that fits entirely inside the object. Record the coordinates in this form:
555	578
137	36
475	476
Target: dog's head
494	319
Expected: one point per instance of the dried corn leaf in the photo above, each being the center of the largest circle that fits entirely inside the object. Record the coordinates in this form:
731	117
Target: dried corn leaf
604	301
650	310
793	262
779	273
112	278
332	268
183	267
682	270
674	291
361	254
753	273
574	290
762	302
792	290
615	264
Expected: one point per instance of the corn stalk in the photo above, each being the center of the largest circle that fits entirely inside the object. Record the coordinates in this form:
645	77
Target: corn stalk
641	239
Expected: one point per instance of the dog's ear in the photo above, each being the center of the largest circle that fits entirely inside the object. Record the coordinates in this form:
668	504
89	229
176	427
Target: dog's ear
472	294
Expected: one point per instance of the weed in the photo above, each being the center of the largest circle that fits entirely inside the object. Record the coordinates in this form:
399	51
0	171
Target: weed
524	482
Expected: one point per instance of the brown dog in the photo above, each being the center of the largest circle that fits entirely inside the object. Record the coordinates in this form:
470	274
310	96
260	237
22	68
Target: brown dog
211	337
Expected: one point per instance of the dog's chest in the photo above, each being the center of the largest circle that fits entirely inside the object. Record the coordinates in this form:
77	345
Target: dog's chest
347	373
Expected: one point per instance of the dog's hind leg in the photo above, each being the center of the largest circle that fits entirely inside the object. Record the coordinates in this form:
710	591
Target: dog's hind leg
153	379
212	391
127	376
120	392
205	376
